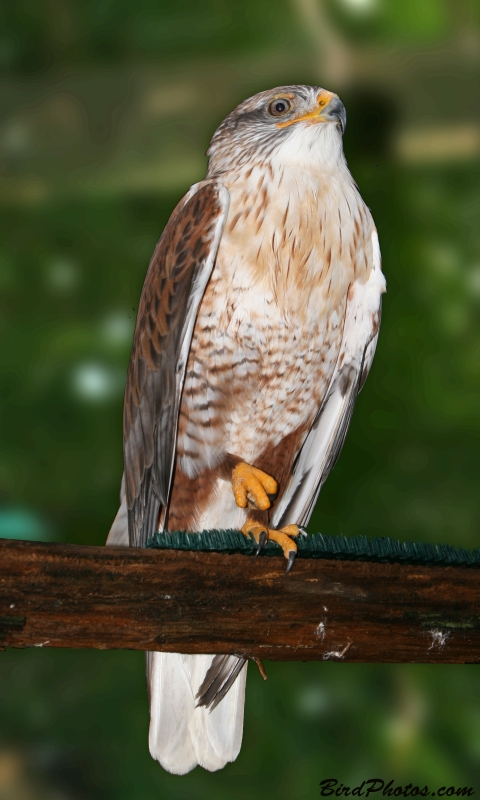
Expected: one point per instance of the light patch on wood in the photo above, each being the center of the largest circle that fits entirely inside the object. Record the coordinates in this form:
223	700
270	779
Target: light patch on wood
320	631
337	653
439	638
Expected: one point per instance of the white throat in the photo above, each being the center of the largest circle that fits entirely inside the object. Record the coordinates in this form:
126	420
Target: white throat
315	147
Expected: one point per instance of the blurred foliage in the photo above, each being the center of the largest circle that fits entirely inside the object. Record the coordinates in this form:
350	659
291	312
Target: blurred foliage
39	35
107	108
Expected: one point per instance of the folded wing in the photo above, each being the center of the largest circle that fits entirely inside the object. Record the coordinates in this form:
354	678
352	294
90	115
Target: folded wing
327	435
174	286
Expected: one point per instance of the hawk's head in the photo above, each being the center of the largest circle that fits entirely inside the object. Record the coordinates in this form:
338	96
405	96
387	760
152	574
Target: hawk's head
284	121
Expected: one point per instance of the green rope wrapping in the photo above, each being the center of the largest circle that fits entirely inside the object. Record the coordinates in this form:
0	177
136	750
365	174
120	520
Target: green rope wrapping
352	548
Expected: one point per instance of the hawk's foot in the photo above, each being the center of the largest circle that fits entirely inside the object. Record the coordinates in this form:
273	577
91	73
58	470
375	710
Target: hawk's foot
252	487
283	537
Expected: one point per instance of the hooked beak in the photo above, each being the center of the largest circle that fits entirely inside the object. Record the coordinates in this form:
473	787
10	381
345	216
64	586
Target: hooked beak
335	112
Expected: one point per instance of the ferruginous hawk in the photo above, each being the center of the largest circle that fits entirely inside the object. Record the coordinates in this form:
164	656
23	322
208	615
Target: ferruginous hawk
256	329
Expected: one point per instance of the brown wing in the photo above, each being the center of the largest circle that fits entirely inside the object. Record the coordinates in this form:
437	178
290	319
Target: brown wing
174	286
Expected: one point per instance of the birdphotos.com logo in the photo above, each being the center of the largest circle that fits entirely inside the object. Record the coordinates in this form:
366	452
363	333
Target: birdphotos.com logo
331	787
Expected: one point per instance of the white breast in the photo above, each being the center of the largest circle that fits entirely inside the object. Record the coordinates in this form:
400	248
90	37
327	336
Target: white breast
270	324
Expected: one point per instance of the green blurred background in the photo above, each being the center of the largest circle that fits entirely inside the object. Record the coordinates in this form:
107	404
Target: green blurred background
107	108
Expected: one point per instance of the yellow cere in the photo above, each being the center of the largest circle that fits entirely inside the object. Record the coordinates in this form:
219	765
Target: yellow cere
323	100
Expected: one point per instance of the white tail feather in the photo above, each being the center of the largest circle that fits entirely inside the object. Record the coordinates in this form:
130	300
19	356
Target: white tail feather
181	734
171	707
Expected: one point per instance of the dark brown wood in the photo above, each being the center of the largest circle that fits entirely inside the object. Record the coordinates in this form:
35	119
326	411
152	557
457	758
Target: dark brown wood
54	595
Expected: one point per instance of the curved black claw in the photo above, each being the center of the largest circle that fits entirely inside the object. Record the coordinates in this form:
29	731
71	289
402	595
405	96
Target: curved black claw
291	560
261	541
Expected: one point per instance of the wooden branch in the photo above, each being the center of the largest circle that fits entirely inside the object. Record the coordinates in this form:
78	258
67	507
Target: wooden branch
55	595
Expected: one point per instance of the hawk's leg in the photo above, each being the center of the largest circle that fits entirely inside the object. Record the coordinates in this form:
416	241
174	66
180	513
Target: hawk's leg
254	488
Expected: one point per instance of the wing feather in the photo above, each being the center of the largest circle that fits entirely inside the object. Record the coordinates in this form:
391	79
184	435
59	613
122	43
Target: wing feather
325	439
219	678
174	286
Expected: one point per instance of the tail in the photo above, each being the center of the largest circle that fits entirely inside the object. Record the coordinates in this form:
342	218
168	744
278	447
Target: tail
188	723
182	734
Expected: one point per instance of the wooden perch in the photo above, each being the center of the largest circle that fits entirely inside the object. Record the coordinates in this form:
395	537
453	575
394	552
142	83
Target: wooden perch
58	595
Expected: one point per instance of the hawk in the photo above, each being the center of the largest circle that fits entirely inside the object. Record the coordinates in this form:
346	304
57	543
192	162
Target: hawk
256	329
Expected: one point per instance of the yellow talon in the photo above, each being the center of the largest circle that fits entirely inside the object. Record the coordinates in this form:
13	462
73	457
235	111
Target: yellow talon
283	537
253	487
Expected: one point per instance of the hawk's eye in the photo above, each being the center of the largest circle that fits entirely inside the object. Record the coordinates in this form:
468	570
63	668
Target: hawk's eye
279	107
